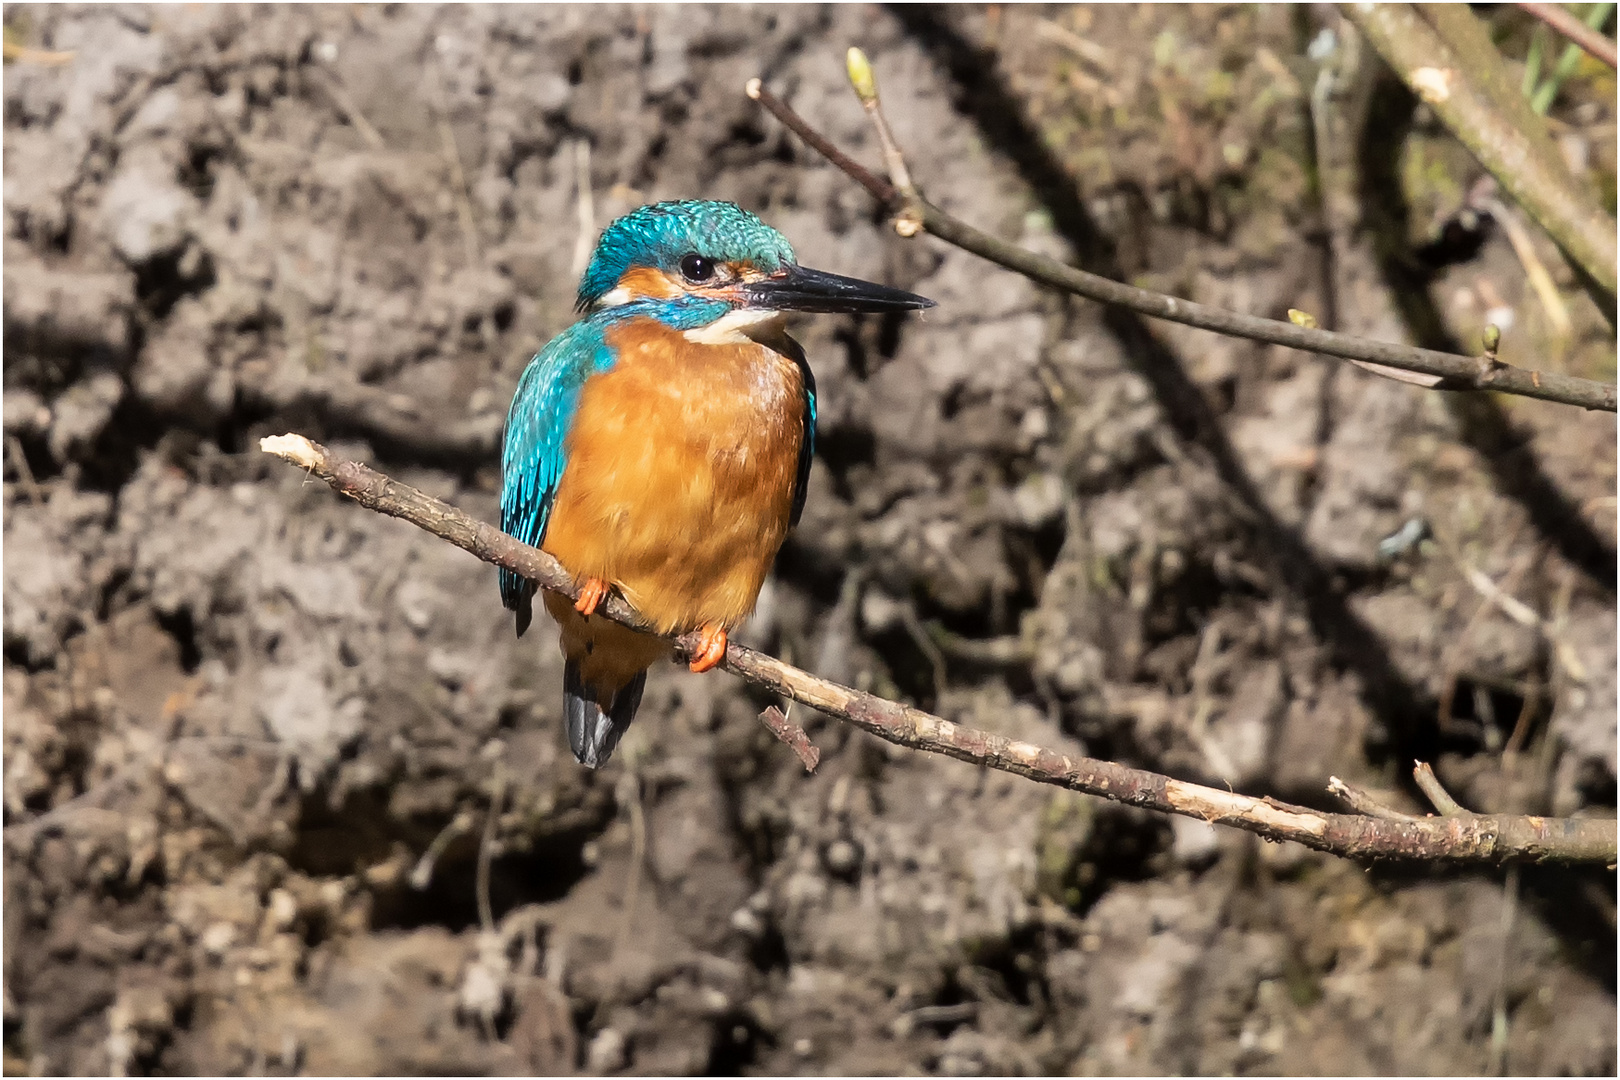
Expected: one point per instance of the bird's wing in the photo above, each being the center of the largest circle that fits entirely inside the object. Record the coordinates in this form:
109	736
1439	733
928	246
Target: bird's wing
807	448
534	452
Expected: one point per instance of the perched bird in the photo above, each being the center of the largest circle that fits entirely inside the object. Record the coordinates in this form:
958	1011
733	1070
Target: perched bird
660	446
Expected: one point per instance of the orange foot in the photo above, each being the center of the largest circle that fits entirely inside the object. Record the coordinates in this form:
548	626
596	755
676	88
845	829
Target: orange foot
591	594
711	648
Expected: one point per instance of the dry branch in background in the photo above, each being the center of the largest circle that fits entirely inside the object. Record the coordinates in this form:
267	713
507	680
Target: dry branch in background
1462	838
1454	372
1456	85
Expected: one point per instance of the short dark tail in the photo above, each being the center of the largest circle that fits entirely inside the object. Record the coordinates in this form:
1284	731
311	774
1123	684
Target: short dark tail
593	733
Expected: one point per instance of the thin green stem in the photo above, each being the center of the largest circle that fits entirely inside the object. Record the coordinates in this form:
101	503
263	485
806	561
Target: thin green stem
1547	92
1532	61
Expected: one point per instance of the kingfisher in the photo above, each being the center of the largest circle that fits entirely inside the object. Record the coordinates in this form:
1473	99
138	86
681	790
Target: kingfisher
660	446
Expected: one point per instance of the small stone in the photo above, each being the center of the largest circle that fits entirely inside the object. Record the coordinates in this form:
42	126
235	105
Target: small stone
282	910
842	858
745	922
217	938
879	611
606	1052
1039	500
25	413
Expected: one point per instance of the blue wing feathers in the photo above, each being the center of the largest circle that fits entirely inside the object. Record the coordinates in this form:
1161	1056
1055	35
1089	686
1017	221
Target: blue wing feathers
807	449
535	450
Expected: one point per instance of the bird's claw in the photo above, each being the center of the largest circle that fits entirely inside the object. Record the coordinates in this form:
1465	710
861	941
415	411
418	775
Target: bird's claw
592	593
711	648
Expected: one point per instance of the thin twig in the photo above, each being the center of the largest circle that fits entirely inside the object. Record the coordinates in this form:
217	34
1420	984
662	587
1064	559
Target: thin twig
908	222
421	875
1363	803
1435	793
1521	725
351	112
458	178
1535	271
1499	1016
1008	651
25	473
1086	50
1476	838
793	735
925	644
1456	372
586	206
630	794
857	172
1524	615
22	54
1517	610
1572	29
486	847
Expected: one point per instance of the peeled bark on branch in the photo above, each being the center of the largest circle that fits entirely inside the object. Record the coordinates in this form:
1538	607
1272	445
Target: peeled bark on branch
1463	838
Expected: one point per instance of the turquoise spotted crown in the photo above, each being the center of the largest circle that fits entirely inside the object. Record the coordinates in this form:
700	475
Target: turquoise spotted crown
659	235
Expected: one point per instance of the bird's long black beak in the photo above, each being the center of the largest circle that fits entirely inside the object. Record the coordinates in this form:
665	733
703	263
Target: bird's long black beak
802	289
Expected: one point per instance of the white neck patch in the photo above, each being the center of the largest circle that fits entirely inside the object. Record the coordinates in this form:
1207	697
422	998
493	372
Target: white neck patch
732	328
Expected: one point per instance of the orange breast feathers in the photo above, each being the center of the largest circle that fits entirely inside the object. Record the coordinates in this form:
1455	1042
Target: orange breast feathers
681	466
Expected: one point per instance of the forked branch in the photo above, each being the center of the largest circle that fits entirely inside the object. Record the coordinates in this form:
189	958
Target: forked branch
1453	372
1469	838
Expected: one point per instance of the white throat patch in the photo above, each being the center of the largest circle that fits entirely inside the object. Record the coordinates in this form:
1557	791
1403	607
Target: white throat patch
734	327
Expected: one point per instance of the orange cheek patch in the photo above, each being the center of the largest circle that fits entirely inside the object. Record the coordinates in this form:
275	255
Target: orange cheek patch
642	281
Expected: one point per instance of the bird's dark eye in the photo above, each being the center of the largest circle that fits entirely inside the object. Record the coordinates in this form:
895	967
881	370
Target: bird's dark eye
697	268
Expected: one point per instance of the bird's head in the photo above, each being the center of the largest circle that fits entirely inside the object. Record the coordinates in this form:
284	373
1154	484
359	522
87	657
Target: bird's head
705	261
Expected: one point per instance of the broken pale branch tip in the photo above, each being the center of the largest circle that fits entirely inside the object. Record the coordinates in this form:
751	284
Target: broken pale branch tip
1363	803
294	448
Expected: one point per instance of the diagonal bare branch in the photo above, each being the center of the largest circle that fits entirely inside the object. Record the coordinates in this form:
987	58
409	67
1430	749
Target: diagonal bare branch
1454	372
1475	838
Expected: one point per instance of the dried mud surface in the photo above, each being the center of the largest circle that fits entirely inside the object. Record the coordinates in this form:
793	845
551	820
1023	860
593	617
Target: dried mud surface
252	733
